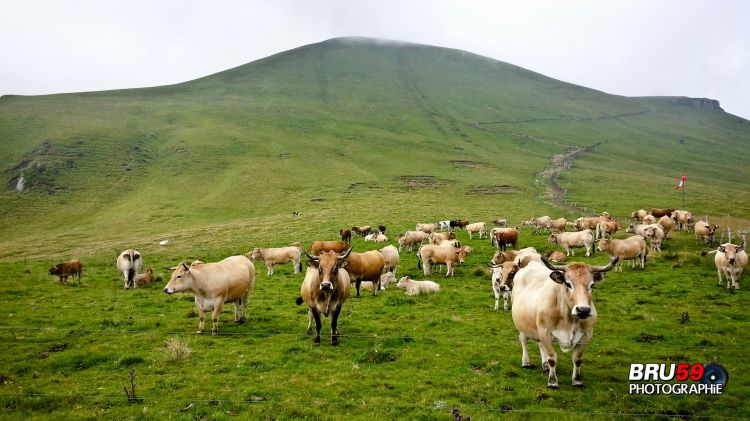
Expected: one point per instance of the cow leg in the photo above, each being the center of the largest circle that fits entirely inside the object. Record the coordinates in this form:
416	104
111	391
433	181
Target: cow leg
545	345
269	269
241	308
506	301
357	284
201	318
375	287
496	290
449	269
309	321
334	325
545	363
318	325
426	267
215	317
588	250
577	360
525	362
721	282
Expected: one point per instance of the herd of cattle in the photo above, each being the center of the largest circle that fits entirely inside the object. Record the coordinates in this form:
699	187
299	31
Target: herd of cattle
550	303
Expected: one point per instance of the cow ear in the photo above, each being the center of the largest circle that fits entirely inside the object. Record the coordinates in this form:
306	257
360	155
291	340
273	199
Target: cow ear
557	276
184	266
722	249
312	263
342	263
598	277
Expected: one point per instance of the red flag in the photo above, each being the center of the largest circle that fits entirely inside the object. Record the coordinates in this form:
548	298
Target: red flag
682	183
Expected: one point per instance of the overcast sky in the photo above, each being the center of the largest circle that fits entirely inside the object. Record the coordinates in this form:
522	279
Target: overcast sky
633	48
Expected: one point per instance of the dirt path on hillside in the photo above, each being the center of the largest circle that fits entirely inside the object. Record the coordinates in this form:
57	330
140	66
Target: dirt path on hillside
548	178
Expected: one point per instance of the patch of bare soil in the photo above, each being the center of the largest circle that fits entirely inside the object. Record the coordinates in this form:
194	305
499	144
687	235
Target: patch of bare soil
491	190
421	181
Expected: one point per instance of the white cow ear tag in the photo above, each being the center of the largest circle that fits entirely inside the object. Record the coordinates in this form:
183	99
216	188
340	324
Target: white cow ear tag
557	276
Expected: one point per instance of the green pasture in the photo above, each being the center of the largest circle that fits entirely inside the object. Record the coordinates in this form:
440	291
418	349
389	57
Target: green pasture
351	132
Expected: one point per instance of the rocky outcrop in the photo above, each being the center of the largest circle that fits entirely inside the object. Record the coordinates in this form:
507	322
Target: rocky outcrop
707	103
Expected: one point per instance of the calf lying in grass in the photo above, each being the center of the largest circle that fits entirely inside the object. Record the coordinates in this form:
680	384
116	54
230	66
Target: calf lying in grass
414	288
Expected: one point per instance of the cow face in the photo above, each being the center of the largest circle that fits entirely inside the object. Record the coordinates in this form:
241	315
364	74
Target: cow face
503	275
604	244
54	270
579	279
255	254
552	239
328	265
180	281
730	252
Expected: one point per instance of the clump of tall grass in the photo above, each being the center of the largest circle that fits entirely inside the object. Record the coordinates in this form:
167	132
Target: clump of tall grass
178	350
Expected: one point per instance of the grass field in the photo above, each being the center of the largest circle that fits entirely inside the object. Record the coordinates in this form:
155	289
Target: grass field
350	132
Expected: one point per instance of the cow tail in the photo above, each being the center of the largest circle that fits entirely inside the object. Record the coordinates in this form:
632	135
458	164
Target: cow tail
131	276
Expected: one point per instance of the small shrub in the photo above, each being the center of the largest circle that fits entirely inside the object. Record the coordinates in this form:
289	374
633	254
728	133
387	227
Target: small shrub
178	350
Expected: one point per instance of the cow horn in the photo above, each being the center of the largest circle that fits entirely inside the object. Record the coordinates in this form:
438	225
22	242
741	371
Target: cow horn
550	266
170	268
310	256
607	268
346	253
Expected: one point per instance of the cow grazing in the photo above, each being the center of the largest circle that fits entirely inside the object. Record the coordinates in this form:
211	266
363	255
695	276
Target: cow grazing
500	222
325	289
639	215
442	255
501	238
730	260
367	266
428	228
682	219
65	269
553	303
570	240
539	224
438	237
502	282
414	288
382	228
659	212
477	228
632	248
652	233
147	278
129	263
666	224
362	231
605	229
346	235
650	219
503	256
215	284
411	238
392	258
318	247
277	256
557	225
705	232
376	237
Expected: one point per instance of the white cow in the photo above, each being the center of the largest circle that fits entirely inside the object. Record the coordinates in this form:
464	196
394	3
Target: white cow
129	263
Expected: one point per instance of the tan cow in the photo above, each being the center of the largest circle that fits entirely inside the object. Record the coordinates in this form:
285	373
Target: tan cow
325	289
214	284
730	260
428	228
553	303
539	223
367	266
682	219
411	238
632	248
639	214
477	228
705	232
666	224
605	229
277	256
129	263
571	240
446	255
557	225
414	288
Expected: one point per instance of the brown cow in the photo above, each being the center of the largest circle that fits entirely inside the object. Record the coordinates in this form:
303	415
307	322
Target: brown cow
367	266
659	212
362	231
69	268
503	237
147	278
346	235
324	290
318	247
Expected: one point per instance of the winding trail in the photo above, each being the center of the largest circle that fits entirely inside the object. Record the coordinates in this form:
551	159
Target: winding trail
548	178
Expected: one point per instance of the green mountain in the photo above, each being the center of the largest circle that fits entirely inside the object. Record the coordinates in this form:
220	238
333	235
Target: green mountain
349	131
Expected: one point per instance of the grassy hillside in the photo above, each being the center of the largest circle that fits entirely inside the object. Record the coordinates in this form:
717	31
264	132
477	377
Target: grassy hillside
347	118
350	131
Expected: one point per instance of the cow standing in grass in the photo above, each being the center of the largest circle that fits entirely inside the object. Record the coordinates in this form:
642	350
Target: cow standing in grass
325	289
214	284
129	263
65	269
